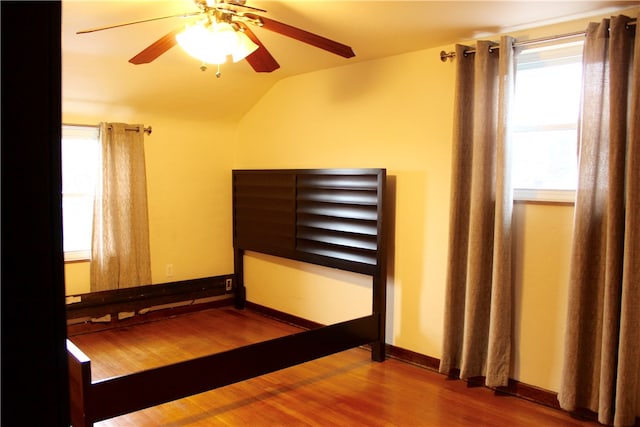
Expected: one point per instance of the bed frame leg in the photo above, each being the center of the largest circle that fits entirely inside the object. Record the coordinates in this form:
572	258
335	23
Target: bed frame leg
239	291
378	347
378	351
240	297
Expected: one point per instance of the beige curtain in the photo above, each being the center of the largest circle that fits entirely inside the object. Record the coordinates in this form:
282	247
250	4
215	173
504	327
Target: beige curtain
478	306
602	354
120	255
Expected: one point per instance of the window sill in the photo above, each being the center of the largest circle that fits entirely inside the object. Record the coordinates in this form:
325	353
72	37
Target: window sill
77	256
544	196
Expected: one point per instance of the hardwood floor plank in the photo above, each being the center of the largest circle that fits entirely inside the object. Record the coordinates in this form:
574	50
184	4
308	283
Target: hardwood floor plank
345	389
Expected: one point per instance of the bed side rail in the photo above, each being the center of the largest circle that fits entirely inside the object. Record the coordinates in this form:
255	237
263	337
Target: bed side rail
120	395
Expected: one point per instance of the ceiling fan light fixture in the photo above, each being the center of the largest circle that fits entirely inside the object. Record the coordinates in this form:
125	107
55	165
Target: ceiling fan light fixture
200	42
212	43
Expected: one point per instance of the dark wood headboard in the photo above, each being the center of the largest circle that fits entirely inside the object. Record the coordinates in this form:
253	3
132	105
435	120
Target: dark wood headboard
330	217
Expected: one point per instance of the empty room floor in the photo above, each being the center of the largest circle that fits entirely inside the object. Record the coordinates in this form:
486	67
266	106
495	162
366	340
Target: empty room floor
345	389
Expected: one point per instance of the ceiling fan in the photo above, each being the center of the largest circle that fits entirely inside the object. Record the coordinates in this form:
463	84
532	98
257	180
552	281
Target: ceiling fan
235	16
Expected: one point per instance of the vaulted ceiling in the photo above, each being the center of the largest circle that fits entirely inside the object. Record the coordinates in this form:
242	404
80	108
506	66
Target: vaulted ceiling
97	75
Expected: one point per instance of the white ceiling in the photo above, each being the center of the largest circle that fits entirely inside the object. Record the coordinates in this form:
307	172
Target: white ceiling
97	76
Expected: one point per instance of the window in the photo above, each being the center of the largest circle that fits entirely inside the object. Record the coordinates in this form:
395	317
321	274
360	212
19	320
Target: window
545	127
80	151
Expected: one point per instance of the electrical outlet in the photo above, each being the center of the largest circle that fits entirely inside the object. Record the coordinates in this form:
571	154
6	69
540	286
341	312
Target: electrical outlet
169	271
228	284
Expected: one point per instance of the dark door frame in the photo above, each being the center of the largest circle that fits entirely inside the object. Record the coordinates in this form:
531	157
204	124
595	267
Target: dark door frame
34	361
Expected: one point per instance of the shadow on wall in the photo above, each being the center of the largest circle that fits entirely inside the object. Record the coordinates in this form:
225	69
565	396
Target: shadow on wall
390	230
408	273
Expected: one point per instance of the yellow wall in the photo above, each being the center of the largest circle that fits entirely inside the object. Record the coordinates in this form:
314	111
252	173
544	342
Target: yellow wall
394	113
542	244
188	167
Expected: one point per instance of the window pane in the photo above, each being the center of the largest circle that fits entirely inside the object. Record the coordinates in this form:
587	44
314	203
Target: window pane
545	117
76	222
80	165
545	160
548	96
79	160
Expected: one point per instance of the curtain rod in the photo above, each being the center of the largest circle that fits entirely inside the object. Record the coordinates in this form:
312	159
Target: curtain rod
450	55
146	130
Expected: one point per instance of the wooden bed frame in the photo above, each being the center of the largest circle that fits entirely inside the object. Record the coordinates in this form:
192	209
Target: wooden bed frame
329	217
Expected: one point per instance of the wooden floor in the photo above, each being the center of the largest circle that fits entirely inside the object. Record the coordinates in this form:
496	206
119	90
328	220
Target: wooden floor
346	389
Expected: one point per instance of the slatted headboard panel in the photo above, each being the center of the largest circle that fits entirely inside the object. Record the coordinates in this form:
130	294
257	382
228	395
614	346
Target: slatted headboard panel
331	217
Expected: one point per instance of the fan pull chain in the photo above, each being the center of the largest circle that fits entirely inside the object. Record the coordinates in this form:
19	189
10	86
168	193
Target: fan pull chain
204	67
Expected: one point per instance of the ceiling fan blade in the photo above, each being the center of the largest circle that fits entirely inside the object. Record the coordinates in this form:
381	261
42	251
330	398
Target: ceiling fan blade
231	5
156	49
303	36
182	15
260	60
